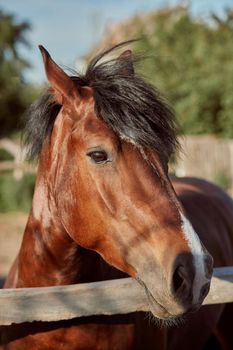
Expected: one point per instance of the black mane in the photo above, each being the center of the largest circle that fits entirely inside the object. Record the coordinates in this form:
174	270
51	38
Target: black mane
129	105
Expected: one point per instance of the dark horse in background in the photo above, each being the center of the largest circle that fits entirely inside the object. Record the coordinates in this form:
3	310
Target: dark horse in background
104	207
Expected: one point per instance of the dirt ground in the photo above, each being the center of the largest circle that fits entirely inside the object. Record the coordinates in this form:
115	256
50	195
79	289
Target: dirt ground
11	230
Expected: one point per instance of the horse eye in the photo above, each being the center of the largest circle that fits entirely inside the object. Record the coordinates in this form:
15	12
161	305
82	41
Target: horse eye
98	156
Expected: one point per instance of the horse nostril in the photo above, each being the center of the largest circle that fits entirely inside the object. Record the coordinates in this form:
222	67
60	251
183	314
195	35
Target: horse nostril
177	279
208	265
182	279
204	291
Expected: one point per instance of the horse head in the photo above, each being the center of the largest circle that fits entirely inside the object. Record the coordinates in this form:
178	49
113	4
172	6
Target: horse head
107	155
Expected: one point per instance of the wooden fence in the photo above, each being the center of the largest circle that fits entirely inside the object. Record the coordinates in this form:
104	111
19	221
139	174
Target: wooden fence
100	298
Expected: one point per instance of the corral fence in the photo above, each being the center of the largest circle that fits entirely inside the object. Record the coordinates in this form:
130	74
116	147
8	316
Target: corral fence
120	296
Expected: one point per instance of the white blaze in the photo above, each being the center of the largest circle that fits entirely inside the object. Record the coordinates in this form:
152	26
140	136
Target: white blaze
198	257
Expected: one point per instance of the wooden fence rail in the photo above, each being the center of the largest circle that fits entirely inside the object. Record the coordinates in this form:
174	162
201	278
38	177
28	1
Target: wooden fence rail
99	298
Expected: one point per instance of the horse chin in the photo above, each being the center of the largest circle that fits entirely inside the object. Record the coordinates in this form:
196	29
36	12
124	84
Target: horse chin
158	310
161	315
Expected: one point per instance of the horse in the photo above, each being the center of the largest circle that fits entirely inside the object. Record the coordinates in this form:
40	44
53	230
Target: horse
104	207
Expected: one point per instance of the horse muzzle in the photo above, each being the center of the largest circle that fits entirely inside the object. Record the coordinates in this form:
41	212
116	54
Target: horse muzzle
182	291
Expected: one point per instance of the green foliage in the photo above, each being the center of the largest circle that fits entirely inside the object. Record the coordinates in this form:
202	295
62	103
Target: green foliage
15	195
4	155
193	66
15	93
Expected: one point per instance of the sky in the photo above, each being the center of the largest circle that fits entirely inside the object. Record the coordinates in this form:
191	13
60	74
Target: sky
69	28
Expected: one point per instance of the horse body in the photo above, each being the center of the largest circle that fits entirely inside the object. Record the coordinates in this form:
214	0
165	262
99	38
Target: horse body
104	207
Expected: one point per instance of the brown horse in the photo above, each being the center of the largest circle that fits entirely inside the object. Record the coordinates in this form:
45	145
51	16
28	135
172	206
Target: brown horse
104	207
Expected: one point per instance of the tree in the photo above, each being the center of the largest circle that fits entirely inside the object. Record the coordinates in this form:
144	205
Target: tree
15	93
192	64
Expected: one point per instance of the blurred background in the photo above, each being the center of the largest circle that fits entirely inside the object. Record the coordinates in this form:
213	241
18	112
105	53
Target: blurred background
189	44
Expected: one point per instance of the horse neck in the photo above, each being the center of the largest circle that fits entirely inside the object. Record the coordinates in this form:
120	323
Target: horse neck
48	256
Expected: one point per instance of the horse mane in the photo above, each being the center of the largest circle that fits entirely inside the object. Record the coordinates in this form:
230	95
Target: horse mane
132	107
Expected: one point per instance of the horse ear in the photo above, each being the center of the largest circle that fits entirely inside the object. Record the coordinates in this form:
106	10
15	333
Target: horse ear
127	58
62	85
